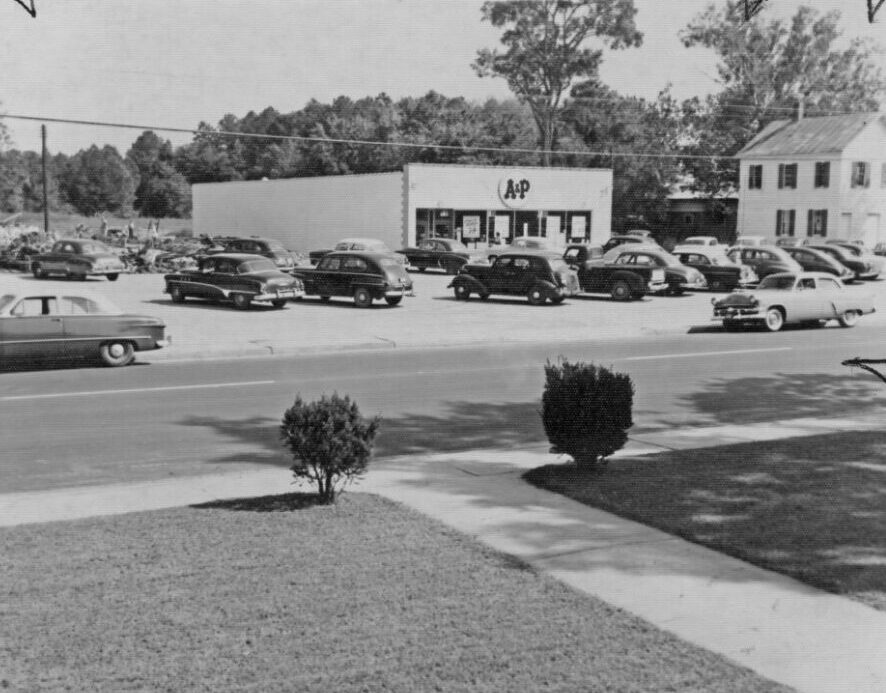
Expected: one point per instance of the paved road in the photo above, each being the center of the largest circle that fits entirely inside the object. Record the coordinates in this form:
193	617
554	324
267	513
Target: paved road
89	425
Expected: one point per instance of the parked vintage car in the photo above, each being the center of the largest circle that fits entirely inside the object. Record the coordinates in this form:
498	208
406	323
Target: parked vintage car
764	260
743	241
53	324
880	249
363	276
812	260
861	268
678	277
620	281
240	278
699	240
540	276
720	272
370	245
860	252
266	247
622	239
792	297
78	258
446	254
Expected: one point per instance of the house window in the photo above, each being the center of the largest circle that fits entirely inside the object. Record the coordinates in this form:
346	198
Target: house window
818	222
822	174
787	175
755	177
861	174
784	222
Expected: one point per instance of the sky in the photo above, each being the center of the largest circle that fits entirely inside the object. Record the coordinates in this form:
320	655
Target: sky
175	63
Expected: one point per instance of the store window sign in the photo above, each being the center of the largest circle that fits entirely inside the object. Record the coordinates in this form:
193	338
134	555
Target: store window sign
470	226
578	228
514	190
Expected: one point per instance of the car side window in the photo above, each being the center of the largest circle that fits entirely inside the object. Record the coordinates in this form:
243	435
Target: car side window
226	267
699	260
427	245
572	253
828	283
330	263
521	263
625	259
503	262
35	306
355	264
644	260
77	305
807	283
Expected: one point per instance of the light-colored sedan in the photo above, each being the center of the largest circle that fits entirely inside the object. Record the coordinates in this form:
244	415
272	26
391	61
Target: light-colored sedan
793	297
38	324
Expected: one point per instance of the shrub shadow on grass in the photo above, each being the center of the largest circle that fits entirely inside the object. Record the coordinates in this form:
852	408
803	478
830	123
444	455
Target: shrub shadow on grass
286	502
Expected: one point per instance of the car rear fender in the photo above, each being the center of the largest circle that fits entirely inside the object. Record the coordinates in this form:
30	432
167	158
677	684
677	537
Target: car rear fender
467	280
548	287
634	280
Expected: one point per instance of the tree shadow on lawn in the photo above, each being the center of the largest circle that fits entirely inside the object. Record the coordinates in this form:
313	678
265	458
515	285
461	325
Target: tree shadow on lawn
813	508
285	502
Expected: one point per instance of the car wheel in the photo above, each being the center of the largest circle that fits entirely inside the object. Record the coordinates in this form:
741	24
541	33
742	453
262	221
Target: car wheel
278	302
362	298
536	296
117	353
39	272
774	320
620	291
393	300
557	300
675	291
484	297
462	292
848	319
241	301
176	294
112	277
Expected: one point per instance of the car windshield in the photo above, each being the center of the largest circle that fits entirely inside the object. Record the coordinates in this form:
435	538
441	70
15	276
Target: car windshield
5	300
256	266
277	246
778	282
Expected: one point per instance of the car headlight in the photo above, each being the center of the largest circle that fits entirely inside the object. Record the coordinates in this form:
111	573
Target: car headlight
754	301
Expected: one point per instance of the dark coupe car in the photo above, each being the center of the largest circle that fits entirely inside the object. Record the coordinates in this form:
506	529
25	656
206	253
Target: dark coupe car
764	260
54	325
237	277
860	269
678	277
812	260
720	272
540	276
363	276
78	258
446	254
266	247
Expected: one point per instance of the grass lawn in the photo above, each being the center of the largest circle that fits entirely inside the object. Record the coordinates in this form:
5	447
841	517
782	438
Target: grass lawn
278	594
813	508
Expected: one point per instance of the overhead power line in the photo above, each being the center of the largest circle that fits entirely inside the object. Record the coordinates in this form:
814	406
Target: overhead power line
354	142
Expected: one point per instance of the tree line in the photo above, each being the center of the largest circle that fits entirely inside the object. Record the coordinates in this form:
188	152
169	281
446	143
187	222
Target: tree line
562	114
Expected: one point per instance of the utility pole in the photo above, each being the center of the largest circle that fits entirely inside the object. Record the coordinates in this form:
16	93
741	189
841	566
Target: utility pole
45	183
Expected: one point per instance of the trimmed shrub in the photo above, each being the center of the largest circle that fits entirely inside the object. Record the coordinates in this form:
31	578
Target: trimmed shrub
586	410
330	442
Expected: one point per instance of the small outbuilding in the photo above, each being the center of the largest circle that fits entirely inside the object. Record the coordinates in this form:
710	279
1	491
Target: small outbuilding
478	205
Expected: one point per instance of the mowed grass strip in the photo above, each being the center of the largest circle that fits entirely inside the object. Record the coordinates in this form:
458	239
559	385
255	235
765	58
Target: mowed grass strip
813	508
278	594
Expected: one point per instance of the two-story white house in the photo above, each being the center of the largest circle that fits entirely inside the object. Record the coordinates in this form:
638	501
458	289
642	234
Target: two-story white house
816	177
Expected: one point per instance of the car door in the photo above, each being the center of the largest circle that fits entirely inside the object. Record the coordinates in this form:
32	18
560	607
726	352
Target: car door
501	276
806	302
85	325
225	278
34	329
833	298
57	259
522	277
328	280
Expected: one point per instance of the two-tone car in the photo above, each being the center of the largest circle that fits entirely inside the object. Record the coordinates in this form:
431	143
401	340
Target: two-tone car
238	278
678	277
446	254
361	276
538	275
719	270
78	258
52	324
811	298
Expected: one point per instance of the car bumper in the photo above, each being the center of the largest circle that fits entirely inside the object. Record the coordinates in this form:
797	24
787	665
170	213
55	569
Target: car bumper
393	293
281	294
656	287
739	314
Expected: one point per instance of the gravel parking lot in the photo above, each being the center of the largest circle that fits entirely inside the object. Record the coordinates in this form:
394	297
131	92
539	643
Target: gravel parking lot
432	318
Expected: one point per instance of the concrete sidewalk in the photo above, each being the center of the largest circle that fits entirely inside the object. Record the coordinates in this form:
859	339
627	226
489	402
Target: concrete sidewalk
784	630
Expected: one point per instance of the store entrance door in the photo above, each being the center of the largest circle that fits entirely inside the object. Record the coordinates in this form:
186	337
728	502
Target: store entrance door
526	224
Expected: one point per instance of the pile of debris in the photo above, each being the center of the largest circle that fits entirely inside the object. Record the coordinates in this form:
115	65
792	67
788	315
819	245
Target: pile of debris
18	243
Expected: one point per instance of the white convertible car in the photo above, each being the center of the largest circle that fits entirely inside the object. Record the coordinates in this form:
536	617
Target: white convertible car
793	297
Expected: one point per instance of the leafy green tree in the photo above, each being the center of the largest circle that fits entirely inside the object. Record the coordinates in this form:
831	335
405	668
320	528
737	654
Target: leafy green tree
766	68
546	52
330	442
96	180
162	191
211	157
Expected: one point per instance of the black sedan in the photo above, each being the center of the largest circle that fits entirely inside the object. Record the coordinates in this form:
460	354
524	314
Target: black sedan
78	258
857	265
239	278
720	272
362	276
446	254
812	260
